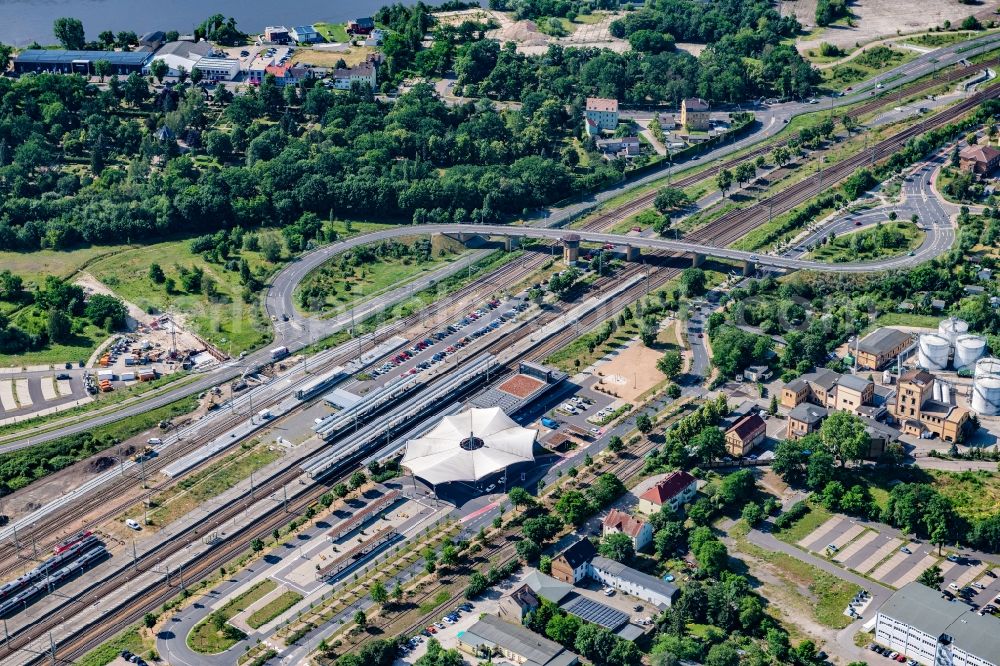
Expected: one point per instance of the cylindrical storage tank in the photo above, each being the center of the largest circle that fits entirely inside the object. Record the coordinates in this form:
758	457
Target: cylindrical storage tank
933	351
986	396
951	328
968	349
936	392
987	367
886	377
946	393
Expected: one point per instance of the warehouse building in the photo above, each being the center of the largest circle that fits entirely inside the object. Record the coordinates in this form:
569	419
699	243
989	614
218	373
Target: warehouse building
58	61
921	624
633	582
881	346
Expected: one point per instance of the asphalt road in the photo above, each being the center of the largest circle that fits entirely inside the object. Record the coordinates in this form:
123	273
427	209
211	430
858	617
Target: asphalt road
299	331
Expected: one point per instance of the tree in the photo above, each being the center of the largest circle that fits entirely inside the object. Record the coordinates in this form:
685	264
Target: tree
710	444
819	470
69	32
724	180
378	593
712	558
256	545
780	156
573	507
159	69
844	435
772	408
615	444
670	538
931	577
107	311
270	248
361	619
723	654
617	546
102	68
357	480
449	555
58	325
528	550
693	282
149	620
752	514
670	364
520	498
595	643
397	592
643	423
849	122
670	198
156	273
563	628
745	172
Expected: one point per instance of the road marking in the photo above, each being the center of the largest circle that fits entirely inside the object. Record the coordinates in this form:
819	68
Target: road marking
479	512
7	395
49	388
23	396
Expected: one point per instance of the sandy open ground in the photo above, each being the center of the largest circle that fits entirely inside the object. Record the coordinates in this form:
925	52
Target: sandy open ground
878	19
631	372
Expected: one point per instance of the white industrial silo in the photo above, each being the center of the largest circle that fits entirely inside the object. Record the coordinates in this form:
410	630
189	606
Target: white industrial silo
986	396
887	377
968	349
945	393
951	328
936	391
988	367
933	351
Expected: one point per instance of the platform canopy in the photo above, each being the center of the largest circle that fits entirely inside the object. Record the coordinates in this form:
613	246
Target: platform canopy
469	446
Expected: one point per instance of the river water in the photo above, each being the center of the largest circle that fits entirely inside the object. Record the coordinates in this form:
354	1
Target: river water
25	21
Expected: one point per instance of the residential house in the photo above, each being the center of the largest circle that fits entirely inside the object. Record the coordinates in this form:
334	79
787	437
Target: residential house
490	636
364	73
638	530
918	413
804	419
516	604
674	490
361	26
601	114
633	582
980	160
286	75
745	435
920	623
570	566
881	346
695	114
277	34
626	146
305	34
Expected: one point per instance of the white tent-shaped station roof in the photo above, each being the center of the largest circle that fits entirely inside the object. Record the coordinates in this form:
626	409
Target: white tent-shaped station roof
469	446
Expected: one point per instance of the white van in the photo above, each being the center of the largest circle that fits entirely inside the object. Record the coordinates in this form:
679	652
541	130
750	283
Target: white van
154	441
132	524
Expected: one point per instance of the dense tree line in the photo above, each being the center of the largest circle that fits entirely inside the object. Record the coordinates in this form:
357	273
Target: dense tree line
359	157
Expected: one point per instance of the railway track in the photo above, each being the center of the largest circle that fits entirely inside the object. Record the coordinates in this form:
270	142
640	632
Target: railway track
644	201
725	229
110	501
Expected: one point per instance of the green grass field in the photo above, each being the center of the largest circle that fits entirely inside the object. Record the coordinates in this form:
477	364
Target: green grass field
840	250
905	319
332	32
206	639
975	495
273	608
130	639
360	283
805	525
78	347
225	319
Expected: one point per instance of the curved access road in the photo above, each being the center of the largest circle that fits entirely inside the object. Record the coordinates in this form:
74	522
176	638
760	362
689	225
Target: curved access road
300	331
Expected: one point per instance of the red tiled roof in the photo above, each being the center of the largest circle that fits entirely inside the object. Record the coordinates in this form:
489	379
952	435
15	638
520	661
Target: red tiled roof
623	522
668	488
747	426
984	154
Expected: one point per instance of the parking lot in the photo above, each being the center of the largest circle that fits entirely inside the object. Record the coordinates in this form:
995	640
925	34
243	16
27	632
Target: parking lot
443	345
896	561
25	393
